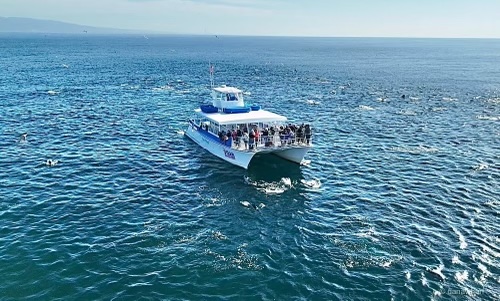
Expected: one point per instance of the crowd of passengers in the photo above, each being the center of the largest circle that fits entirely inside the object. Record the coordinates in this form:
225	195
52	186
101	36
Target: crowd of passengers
269	137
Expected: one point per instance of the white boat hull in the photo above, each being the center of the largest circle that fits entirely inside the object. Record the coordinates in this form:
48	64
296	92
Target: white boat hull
292	154
240	157
226	153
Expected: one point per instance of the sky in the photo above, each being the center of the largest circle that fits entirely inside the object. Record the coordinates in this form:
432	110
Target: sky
329	18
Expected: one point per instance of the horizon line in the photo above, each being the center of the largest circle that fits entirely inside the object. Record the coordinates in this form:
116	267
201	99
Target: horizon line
128	31
146	33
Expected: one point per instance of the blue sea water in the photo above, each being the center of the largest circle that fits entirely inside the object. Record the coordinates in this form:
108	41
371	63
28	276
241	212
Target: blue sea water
407	200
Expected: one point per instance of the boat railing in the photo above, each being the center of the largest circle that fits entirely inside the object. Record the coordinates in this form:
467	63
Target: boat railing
278	140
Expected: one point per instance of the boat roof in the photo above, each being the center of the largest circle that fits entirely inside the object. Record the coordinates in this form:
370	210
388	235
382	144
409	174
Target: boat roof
226	90
250	117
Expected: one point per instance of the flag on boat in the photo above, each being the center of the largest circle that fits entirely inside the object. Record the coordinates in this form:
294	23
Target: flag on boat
211	69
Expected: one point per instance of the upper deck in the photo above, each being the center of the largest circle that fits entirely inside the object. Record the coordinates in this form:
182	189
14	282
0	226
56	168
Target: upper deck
250	117
229	108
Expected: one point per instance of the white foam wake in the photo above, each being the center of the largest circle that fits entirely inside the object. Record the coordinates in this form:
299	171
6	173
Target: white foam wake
366	108
461	238
287	182
305	162
312	102
491	118
271	187
480	166
462	276
314	184
438	271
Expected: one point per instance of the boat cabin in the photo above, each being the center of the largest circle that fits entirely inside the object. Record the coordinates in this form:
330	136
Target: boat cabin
227	97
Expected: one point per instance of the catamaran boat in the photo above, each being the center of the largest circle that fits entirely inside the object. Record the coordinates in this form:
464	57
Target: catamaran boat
236	132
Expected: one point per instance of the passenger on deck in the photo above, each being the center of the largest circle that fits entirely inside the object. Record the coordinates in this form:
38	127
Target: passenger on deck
265	137
235	138
257	136
288	135
282	135
291	139
251	141
245	139
229	141
239	135
299	136
308	133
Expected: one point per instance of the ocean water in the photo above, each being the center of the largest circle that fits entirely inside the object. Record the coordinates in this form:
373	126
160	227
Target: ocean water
400	201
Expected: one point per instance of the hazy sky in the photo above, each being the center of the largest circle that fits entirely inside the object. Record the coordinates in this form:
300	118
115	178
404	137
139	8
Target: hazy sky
366	18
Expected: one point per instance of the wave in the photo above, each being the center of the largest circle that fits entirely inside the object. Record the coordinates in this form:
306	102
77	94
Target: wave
271	187
461	238
415	150
163	88
407	113
462	276
312	102
366	108
314	184
480	166
495	100
305	162
484	117
439	109
438	271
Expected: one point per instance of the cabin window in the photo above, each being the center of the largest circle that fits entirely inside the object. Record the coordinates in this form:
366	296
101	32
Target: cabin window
231	97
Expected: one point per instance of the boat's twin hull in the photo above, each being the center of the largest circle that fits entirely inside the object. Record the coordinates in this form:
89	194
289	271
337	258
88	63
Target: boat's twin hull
226	153
239	157
292	154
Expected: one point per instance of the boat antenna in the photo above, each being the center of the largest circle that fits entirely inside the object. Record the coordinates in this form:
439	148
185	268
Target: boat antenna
212	71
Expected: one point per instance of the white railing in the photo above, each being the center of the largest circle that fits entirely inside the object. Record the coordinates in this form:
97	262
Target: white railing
290	139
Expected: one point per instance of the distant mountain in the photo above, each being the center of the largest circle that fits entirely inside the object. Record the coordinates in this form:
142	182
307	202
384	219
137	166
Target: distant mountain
12	24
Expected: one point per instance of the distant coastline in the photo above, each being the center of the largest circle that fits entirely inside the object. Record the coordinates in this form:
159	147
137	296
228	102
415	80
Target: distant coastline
17	25
29	25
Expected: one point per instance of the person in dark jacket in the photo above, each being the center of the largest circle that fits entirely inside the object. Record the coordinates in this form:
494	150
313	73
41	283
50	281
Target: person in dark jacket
308	133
